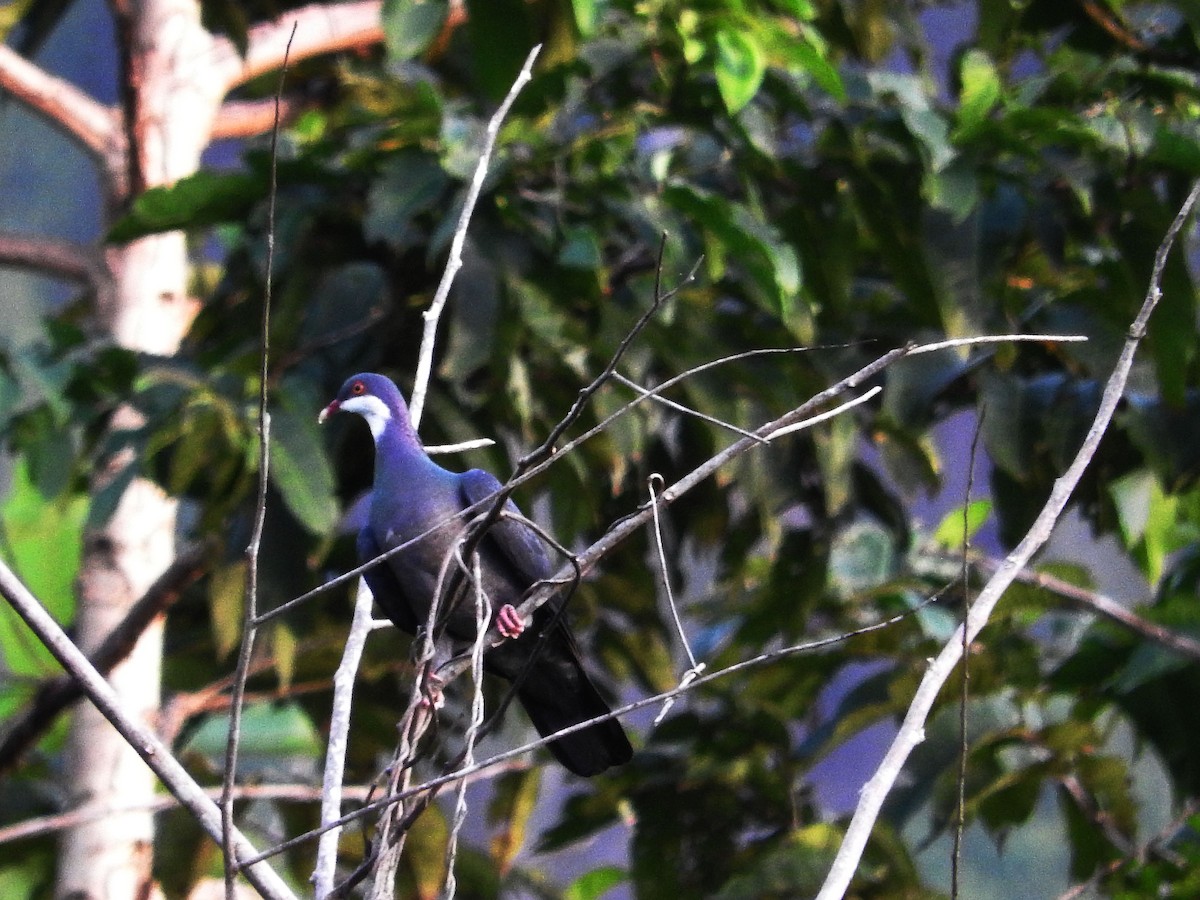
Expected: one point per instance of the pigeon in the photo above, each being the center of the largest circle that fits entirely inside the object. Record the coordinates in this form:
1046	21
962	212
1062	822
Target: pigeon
411	495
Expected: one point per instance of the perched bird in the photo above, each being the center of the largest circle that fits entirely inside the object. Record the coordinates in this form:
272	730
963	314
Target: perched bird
412	494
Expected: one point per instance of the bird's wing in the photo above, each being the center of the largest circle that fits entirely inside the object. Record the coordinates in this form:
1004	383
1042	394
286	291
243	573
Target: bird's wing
522	547
384	585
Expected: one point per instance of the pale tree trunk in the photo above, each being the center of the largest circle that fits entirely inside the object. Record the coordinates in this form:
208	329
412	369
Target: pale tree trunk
169	118
175	76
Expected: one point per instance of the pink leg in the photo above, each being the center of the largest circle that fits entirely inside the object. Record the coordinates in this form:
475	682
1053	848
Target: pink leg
509	621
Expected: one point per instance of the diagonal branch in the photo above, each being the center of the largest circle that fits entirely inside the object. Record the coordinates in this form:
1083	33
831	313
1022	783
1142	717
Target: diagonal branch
911	730
145	743
319	28
416	402
55	696
57	258
94	125
497	761
249	118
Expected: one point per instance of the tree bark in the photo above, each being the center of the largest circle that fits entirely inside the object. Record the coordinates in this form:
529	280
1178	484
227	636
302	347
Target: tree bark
173	80
169	110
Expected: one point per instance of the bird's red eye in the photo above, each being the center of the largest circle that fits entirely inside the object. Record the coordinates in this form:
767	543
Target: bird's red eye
358	388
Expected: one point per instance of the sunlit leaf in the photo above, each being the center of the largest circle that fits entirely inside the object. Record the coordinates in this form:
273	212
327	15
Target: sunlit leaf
981	89
226	602
196	201
957	527
595	884
43	544
739	67
269	731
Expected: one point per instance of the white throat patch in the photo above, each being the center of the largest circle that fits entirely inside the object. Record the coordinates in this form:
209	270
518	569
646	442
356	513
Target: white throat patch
374	410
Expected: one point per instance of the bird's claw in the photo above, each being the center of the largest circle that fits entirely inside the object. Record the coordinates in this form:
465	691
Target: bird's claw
432	698
509	621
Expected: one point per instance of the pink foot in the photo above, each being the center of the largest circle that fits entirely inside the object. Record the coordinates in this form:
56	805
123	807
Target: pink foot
509	621
432	698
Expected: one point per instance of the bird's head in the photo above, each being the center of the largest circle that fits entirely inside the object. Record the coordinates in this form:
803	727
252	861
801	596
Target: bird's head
373	397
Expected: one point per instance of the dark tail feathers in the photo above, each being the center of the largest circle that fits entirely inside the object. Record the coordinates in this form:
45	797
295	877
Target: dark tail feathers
586	752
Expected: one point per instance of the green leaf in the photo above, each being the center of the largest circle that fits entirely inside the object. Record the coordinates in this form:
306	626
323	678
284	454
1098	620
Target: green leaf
409	26
226	598
511	807
596	883
411	183
299	468
270	730
981	90
197	201
739	69
1148	519
284	648
33	523
950	532
807	52
585	16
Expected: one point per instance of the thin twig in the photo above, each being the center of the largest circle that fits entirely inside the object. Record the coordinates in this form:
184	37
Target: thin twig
1105	606
250	613
655	700
694	668
546	448
911	730
335	753
416	405
964	694
679	407
144	742
483	615
55	696
99	812
1177	824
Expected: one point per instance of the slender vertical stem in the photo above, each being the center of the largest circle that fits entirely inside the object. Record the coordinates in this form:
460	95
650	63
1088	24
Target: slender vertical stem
965	683
335	754
416	405
250	612
911	731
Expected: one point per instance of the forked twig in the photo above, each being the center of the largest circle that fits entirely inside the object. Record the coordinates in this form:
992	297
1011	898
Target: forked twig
911	730
433	784
416	403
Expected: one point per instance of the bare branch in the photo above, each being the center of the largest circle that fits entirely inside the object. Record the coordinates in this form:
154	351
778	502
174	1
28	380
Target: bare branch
416	403
496	763
1102	605
143	741
320	28
57	258
867	372
250	613
656	480
339	729
249	118
1157	842
55	696
912	729
93	125
99	812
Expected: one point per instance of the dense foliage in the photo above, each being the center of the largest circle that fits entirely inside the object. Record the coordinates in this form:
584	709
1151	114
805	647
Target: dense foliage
853	176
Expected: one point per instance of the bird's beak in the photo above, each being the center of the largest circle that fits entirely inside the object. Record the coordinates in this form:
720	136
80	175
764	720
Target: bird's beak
327	412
